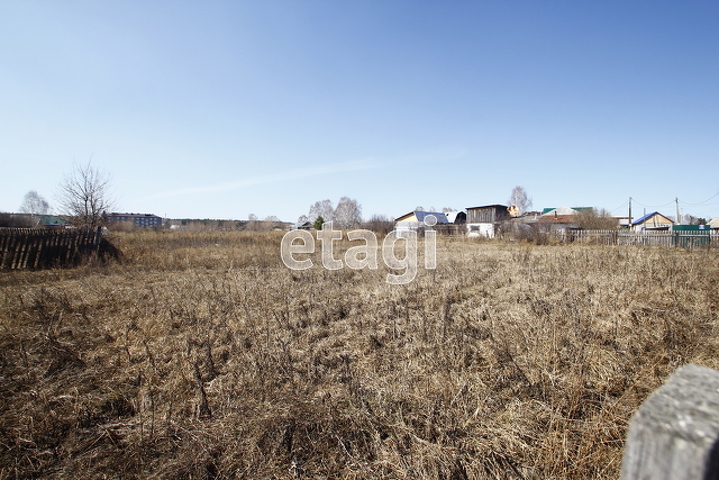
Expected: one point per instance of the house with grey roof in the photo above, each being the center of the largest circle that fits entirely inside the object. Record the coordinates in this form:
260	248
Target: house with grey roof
417	220
485	221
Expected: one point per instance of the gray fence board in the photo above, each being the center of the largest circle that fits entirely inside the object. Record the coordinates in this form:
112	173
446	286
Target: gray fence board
34	248
647	239
675	433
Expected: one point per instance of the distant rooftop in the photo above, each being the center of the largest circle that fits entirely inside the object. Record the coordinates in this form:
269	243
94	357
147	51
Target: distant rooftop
440	216
578	209
648	216
421	215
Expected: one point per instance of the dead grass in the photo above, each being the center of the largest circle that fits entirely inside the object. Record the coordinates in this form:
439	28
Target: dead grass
200	356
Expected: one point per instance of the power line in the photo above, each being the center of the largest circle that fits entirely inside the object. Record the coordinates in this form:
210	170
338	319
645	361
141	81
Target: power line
652	206
620	206
704	201
681	202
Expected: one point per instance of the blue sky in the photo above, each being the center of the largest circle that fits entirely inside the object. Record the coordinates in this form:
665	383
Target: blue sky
222	109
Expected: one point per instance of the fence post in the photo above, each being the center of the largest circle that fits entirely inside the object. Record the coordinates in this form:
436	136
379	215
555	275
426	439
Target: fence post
97	240
675	433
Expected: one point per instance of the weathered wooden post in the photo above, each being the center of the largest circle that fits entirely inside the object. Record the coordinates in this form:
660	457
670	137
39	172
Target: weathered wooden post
675	433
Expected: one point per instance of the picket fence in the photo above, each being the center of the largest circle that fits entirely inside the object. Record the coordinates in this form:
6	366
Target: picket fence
650	239
35	248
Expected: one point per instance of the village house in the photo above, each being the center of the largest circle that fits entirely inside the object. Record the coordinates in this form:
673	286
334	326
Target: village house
652	221
415	221
562	217
559	218
29	220
456	217
307	225
485	221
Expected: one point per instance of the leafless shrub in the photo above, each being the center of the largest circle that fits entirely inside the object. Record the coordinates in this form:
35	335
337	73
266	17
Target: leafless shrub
379	224
596	219
14	220
126	226
85	196
536	233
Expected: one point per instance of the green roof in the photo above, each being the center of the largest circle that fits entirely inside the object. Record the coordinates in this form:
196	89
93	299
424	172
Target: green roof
52	220
579	209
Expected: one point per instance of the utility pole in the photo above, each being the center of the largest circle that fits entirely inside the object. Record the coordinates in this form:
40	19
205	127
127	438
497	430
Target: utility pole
679	215
630	212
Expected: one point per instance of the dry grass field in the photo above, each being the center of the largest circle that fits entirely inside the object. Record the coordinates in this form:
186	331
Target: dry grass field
201	356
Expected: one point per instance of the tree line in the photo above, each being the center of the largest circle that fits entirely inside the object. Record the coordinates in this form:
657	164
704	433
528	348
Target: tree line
83	197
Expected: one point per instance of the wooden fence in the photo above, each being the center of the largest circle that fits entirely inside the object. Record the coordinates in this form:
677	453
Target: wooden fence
675	433
450	229
34	248
650	239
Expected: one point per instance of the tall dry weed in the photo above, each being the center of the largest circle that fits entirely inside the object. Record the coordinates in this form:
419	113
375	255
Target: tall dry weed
202	356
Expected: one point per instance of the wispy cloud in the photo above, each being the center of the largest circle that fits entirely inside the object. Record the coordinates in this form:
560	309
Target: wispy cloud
273	178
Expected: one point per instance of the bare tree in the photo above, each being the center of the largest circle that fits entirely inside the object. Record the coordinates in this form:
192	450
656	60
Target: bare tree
85	195
596	219
322	209
34	204
692	220
348	213
271	222
520	199
252	223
